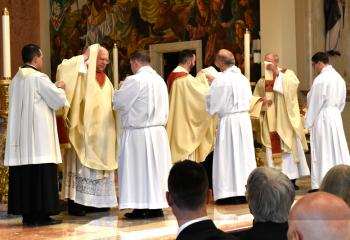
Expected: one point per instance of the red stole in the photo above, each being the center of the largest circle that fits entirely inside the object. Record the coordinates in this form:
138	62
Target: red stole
62	131
173	76
100	78
274	137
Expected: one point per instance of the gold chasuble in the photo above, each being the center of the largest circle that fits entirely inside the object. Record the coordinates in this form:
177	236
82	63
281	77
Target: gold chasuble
90	118
279	123
190	128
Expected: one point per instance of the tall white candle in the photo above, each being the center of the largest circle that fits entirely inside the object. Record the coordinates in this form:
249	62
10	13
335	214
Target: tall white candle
6	43
247	54
115	66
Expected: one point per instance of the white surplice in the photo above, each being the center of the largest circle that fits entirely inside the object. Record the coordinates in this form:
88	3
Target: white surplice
326	101
31	132
144	154
234	156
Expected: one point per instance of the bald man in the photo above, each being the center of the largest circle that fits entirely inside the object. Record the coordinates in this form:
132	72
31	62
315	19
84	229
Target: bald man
319	215
279	127
234	156
88	174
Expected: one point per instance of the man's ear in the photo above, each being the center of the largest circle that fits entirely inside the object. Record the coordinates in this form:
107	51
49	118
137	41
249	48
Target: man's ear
169	199
209	196
294	235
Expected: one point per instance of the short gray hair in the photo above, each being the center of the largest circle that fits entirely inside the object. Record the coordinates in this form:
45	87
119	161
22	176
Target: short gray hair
270	195
227	59
337	182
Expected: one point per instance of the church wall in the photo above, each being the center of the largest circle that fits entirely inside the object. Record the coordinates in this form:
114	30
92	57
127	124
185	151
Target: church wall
277	31
24	22
304	38
44	7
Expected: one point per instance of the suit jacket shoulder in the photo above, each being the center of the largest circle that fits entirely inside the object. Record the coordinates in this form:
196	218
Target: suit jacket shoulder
204	230
265	231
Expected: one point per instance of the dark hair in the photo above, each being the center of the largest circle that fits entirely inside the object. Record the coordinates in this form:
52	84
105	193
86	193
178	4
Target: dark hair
320	57
141	56
188	185
30	51
185	55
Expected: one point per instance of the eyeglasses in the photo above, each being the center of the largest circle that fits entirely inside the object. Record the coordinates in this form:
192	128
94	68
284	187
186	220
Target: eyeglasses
104	60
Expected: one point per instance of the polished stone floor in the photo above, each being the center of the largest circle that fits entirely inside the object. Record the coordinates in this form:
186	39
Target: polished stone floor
112	225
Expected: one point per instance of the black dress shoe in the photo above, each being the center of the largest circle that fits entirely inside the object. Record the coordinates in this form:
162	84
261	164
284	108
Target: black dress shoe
144	213
95	209
137	214
29	220
35	221
76	209
231	200
155	213
47	221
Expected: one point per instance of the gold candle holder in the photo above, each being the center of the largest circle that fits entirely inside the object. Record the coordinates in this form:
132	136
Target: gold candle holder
4	104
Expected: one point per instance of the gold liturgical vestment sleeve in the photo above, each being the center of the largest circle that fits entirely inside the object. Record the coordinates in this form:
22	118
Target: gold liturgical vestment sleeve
190	128
91	120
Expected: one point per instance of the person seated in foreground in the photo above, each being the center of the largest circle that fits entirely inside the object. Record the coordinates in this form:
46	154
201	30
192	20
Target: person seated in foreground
188	196
337	182
319	215
270	195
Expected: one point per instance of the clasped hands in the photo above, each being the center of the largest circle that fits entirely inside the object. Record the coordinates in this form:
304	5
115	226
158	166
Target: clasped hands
266	102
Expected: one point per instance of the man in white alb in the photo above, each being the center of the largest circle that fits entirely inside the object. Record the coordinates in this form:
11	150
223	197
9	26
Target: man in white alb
326	101
234	156
144	157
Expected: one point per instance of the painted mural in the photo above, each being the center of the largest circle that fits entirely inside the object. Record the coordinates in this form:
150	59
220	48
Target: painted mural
135	24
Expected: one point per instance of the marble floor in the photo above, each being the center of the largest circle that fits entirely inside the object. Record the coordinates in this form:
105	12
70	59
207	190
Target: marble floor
112	225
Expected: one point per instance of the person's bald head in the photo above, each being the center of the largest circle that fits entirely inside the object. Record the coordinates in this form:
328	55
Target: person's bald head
319	215
271	57
102	59
224	59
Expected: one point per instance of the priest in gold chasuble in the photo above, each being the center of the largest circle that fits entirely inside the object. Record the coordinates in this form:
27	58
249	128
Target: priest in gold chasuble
275	106
88	179
190	128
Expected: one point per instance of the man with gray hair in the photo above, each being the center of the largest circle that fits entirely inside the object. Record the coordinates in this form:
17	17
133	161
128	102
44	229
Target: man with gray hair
234	156
270	195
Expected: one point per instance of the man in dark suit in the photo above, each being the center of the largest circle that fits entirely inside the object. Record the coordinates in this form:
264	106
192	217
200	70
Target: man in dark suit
188	196
270	195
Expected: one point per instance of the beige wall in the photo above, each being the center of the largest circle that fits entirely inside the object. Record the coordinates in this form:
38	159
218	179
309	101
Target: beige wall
277	30
304	38
44	7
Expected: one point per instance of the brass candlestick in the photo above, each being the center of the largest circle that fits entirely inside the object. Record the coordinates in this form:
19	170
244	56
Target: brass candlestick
4	104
